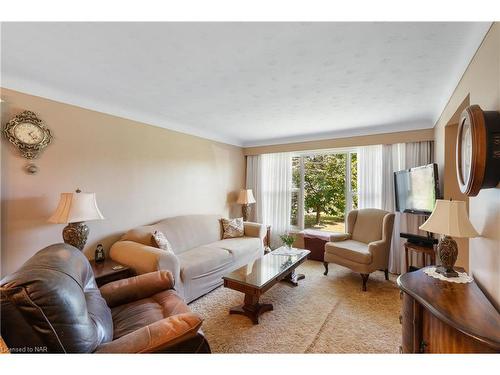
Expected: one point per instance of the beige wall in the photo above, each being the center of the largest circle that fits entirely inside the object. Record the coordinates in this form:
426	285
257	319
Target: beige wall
362	140
139	172
481	85
452	189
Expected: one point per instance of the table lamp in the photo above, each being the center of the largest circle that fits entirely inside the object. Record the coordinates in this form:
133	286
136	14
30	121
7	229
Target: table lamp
74	209
449	218
246	199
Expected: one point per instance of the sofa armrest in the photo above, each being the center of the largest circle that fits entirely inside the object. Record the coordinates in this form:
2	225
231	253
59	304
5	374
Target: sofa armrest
156	336
135	288
380	252
338	237
144	259
377	246
254	229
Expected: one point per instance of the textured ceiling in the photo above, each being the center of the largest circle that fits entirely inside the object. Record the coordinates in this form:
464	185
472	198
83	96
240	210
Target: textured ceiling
247	83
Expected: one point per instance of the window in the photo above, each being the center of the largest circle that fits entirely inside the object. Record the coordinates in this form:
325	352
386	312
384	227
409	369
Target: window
296	191
324	190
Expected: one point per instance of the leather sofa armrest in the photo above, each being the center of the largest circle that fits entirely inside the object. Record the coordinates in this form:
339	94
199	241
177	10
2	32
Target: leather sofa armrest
143	259
338	237
135	288
156	337
254	229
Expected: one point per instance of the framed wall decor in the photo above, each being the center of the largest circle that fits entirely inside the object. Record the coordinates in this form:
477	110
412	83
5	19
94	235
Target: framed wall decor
28	133
478	150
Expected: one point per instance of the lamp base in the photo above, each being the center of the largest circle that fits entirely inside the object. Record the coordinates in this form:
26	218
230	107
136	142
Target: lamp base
447	250
76	234
447	272
246	210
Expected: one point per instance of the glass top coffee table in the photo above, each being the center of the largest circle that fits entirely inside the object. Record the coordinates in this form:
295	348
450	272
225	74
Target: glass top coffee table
257	277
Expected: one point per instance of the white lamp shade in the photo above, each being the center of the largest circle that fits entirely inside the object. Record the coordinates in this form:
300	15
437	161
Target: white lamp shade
245	197
76	207
450	218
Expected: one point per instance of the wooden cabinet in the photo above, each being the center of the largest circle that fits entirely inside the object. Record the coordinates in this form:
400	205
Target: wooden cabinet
445	317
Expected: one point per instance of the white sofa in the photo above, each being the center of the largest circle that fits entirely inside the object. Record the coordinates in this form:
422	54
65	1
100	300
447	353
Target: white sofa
201	257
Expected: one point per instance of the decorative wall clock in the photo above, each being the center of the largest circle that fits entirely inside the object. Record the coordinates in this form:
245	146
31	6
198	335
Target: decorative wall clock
29	134
478	150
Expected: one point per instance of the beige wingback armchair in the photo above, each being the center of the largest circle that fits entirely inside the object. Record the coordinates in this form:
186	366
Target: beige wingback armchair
366	245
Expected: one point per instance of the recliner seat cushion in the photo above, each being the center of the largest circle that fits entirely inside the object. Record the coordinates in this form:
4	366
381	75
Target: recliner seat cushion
203	261
135	315
351	250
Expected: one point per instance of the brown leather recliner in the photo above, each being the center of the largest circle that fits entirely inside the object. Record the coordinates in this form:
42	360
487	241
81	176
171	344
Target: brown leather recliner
52	304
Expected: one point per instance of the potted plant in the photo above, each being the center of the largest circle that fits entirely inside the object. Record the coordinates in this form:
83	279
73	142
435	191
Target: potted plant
287	240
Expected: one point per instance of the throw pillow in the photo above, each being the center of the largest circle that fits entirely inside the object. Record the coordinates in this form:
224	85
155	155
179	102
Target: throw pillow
233	228
161	241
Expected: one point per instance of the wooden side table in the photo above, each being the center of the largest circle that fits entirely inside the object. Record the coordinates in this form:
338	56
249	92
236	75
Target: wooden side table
419	250
108	271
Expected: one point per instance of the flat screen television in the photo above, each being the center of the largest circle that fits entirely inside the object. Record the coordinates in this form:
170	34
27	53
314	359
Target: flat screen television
416	189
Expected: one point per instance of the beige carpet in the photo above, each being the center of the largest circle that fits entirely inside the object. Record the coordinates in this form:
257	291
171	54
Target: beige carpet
324	314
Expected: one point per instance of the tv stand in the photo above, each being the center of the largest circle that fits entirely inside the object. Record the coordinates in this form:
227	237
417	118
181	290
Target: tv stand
425	241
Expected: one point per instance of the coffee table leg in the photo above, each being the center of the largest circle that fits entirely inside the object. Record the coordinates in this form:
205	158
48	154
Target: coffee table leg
293	278
251	308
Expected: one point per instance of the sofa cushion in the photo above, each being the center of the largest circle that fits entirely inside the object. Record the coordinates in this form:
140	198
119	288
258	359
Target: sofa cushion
238	247
161	241
203	261
233	228
183	232
354	251
135	315
190	231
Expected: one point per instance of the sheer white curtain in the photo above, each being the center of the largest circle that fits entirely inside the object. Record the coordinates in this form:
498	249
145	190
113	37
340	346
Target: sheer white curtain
396	257
254	182
270	178
370	176
376	165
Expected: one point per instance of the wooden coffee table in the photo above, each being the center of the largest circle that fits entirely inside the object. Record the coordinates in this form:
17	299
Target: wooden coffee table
257	277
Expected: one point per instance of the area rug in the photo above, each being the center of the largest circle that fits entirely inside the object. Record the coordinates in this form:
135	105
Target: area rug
324	314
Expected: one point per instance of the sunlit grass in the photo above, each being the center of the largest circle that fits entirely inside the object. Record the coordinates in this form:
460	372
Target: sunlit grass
327	222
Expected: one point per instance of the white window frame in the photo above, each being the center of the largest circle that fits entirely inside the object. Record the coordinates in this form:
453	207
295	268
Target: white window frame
300	198
349	193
